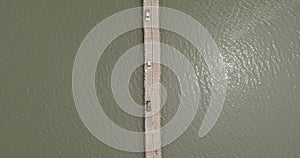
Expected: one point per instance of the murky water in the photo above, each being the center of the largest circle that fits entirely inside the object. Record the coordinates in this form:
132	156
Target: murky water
259	41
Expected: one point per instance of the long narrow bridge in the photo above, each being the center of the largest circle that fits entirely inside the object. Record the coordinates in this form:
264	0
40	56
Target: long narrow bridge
152	79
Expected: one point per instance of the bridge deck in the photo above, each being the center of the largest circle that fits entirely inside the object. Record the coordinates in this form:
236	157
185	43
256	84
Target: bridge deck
152	80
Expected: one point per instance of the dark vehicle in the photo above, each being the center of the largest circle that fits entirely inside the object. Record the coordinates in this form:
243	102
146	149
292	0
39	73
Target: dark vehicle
148	106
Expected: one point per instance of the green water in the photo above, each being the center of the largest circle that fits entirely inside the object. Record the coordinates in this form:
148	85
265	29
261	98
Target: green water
258	39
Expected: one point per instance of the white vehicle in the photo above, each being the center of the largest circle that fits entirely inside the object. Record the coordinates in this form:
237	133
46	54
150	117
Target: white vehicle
149	65
147	15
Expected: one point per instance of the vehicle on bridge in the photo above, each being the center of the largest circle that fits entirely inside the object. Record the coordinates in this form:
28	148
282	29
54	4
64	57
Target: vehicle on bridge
147	15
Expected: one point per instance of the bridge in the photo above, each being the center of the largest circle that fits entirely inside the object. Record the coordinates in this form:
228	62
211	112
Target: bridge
152	79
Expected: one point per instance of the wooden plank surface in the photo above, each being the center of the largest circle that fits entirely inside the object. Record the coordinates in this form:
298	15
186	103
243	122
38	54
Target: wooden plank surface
152	80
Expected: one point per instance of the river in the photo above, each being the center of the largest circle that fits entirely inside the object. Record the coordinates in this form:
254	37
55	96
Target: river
258	40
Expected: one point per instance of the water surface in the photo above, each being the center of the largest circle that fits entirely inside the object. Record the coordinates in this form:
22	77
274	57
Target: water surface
258	39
